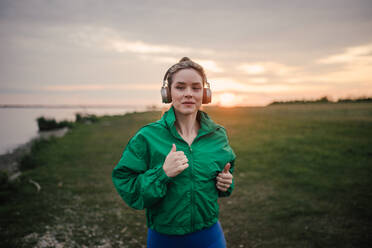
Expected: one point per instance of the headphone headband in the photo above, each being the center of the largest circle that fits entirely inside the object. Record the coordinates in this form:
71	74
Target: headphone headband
165	81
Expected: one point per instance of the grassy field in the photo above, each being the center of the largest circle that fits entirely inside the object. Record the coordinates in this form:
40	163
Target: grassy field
303	179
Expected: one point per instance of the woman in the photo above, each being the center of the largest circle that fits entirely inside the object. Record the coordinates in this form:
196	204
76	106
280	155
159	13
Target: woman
177	167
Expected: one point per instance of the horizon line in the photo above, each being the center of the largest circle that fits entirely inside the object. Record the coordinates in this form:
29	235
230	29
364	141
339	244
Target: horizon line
149	106
71	105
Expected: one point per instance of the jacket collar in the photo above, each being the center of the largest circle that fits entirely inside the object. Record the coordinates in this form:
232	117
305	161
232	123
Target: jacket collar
207	125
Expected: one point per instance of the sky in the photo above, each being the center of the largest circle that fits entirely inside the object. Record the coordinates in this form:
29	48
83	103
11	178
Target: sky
96	52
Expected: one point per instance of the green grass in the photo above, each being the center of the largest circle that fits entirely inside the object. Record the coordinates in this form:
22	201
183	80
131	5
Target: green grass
303	179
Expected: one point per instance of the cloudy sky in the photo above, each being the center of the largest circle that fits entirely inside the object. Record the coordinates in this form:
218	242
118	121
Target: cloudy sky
116	52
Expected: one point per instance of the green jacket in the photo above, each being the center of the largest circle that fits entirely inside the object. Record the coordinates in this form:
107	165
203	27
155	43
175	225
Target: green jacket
187	202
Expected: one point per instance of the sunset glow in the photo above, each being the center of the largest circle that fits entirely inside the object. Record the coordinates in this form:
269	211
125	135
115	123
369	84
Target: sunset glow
227	100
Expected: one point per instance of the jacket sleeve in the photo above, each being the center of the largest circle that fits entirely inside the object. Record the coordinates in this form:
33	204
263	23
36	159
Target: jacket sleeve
139	186
232	167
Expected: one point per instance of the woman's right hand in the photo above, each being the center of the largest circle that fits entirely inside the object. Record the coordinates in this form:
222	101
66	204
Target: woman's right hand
175	162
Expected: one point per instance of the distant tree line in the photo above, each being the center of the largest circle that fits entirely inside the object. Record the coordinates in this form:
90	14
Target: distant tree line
364	99
47	124
325	99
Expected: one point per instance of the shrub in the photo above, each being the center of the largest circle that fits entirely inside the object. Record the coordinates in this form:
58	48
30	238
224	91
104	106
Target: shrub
45	124
84	118
3	179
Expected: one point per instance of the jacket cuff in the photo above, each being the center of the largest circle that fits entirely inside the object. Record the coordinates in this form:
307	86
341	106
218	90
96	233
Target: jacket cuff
162	177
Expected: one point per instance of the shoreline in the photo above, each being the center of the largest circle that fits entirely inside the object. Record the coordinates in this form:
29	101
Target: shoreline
9	162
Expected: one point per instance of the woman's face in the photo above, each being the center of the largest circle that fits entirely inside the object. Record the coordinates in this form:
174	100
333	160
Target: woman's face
187	91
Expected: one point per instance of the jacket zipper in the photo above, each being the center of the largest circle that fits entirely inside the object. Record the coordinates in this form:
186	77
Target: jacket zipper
191	164
192	190
192	177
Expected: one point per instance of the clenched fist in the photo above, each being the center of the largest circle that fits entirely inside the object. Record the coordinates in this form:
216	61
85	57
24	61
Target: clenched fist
175	162
224	179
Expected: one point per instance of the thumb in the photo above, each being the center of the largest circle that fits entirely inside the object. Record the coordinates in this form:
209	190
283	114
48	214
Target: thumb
174	148
227	168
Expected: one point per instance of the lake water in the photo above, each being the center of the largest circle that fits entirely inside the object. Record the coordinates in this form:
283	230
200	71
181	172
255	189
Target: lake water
19	125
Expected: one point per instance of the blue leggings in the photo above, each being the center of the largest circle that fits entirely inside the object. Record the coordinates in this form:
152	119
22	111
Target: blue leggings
211	237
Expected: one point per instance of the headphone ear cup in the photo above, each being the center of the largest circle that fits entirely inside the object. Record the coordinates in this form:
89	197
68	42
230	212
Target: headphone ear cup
165	94
207	95
169	95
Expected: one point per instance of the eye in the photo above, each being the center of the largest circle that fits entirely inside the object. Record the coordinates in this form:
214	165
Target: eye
197	88
180	87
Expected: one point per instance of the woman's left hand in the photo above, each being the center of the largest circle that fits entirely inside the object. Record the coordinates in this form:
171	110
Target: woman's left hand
224	179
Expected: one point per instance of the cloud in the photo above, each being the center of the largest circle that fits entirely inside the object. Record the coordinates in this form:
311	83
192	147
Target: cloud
260	68
361	53
225	84
160	59
112	40
356	65
122	45
100	87
351	68
209	65
252	69
258	80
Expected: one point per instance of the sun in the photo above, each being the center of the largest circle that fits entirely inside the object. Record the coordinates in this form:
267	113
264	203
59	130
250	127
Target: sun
227	100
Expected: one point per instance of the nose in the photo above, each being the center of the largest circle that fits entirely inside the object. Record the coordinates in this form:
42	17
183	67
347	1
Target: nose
188	92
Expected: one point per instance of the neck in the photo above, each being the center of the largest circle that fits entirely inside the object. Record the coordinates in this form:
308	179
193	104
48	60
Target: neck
187	124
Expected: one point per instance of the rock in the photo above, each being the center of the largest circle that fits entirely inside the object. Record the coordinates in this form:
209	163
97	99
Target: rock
15	176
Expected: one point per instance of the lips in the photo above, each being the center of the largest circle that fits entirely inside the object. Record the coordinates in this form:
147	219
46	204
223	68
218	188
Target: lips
188	103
